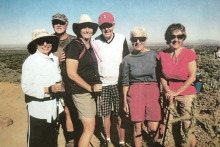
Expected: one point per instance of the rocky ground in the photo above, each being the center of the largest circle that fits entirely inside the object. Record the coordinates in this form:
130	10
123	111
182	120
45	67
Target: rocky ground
13	121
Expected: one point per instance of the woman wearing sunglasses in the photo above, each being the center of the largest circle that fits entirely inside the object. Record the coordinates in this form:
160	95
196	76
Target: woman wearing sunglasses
40	81
83	77
140	86
178	73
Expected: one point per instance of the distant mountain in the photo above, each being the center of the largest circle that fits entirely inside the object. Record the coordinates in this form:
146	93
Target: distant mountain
194	43
13	46
203	42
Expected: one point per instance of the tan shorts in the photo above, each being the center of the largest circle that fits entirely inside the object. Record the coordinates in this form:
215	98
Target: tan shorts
184	104
85	105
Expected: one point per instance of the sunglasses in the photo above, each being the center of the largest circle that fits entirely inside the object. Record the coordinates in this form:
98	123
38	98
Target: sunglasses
177	36
105	25
135	39
56	22
41	42
86	25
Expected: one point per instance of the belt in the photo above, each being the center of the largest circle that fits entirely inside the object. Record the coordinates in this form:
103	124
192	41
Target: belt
174	80
31	98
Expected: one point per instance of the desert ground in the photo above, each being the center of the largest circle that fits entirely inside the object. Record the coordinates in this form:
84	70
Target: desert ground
13	113
13	107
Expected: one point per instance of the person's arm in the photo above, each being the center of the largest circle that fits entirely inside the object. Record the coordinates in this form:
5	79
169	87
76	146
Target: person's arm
125	84
125	49
62	57
125	92
192	77
72	66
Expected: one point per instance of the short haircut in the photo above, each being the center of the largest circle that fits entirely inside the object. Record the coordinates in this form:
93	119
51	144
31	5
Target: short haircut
173	27
138	30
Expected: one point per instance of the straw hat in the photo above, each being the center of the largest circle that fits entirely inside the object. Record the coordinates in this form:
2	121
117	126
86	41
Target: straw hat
84	20
39	35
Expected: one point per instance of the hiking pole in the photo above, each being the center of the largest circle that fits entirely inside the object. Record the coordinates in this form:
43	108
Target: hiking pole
103	120
166	127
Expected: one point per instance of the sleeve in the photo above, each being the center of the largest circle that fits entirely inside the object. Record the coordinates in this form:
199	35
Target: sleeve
159	56
125	49
28	85
191	56
73	51
125	73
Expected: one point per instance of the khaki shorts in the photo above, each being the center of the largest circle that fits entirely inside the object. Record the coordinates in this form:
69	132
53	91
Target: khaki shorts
85	104
184	104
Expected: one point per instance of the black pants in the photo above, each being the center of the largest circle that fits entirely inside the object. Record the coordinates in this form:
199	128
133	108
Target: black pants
41	133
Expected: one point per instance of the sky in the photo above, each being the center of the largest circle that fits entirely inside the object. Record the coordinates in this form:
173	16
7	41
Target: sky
200	17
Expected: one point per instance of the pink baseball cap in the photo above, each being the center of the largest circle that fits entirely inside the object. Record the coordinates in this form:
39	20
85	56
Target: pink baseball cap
106	17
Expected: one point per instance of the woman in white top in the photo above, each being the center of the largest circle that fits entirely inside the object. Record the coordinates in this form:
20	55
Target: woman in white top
40	77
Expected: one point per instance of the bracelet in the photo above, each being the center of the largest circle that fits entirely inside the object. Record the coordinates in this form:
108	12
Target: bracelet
92	88
50	89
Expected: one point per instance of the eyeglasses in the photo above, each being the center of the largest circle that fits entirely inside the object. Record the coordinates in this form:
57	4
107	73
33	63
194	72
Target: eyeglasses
56	22
177	36
135	39
41	42
105	25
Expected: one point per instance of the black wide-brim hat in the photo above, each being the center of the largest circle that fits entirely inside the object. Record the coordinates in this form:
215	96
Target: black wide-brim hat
41	35
84	21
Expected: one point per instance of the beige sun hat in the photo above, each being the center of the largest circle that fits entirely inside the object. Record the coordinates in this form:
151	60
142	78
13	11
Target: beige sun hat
39	35
84	21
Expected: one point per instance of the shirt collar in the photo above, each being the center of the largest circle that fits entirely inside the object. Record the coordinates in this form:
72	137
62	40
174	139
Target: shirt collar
45	56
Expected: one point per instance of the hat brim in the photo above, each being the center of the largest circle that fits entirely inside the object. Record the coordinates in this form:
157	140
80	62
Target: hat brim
78	26
32	46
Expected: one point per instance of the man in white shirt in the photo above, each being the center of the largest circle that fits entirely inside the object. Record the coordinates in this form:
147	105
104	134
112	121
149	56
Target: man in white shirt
40	77
111	49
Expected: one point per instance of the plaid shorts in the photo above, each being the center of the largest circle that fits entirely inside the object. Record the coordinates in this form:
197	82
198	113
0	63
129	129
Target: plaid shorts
109	94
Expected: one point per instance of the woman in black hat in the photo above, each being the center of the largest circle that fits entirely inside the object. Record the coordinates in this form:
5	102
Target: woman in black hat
83	78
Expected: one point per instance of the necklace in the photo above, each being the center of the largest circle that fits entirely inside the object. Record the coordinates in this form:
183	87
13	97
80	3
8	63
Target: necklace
175	55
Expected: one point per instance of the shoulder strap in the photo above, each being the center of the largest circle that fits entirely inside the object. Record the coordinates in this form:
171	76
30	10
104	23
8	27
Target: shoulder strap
84	49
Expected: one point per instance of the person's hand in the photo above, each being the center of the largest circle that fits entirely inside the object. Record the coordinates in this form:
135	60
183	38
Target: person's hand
170	96
97	87
126	108
62	56
57	87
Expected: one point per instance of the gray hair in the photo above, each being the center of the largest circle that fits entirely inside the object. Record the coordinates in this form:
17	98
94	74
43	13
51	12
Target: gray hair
138	30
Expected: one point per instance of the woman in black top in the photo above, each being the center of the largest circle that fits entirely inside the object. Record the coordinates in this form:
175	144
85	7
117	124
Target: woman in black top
83	78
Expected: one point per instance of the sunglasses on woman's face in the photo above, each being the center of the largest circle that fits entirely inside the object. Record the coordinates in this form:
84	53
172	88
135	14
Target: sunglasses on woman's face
86	26
41	43
135	39
177	36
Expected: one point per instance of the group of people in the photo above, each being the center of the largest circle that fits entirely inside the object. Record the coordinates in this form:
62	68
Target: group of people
101	75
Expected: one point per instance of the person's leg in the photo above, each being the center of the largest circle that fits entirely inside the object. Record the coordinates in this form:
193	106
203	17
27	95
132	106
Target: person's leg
105	110
69	132
107	121
121	131
152	128
69	124
185	106
137	134
86	107
89	127
186	125
41	133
